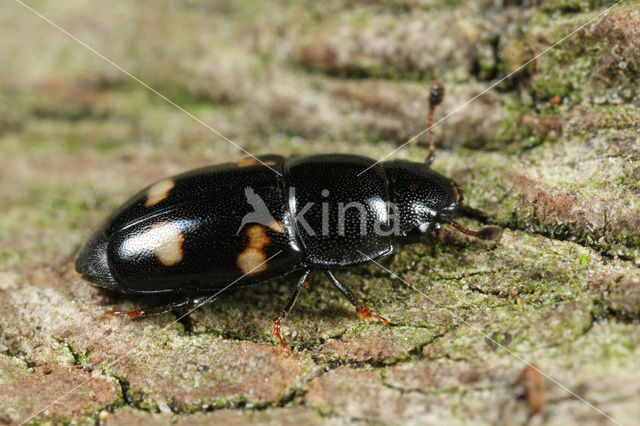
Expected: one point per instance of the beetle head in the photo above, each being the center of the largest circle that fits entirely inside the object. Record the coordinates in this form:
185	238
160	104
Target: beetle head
425	200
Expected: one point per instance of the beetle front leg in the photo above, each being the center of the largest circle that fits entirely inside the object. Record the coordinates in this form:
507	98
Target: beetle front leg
363	311
286	309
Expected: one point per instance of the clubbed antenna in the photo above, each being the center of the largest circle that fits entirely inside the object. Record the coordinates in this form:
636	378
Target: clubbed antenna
436	94
486	233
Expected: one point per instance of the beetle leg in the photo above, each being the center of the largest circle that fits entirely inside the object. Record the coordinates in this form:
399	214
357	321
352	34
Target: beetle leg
286	309
363	311
185	303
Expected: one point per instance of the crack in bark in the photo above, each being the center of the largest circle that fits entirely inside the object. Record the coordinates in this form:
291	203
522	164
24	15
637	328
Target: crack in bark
566	236
79	358
503	294
241	403
13	350
467	275
607	313
20	356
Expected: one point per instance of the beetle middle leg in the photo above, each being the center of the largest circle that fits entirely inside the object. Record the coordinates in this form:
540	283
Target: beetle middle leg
363	311
286	309
188	302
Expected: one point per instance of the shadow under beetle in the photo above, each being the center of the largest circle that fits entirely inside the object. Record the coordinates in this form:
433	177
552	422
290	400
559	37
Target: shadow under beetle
195	233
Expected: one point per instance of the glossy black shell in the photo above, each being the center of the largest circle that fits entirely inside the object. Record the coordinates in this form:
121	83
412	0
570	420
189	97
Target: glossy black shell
191	232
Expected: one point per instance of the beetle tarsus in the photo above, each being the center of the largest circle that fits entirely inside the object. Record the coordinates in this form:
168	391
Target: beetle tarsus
367	315
286	309
145	312
131	314
363	311
284	348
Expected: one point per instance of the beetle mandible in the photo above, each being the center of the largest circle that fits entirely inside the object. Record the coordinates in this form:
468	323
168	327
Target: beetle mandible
192	234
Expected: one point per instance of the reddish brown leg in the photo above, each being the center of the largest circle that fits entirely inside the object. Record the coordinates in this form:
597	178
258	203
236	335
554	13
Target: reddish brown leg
285	310
188	303
131	314
366	314
276	331
359	304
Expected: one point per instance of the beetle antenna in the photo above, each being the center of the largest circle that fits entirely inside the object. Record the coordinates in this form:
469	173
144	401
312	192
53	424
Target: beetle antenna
436	94
486	233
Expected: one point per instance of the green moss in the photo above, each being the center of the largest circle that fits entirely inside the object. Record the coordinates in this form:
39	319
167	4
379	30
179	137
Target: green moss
12	369
568	70
574	6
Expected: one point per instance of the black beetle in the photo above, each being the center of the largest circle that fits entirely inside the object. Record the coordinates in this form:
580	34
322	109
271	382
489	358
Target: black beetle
193	234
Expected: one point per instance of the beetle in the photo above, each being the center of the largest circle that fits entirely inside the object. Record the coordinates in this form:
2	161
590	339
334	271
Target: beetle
193	234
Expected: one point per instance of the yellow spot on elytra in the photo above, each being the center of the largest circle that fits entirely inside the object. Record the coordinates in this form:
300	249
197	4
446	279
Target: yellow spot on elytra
252	259
167	241
277	226
159	191
249	161
246	162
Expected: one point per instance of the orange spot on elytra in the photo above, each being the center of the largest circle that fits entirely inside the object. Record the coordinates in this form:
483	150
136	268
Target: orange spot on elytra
246	162
252	259
258	237
277	226
167	241
159	191
249	161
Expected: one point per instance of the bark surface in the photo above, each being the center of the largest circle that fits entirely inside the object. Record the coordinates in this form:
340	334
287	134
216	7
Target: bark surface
551	154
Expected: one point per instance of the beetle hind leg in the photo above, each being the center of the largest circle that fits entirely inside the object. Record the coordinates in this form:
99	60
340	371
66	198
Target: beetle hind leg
155	310
286	309
363	311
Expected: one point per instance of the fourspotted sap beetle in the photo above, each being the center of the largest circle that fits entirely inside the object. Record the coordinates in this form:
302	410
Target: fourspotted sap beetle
244	223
